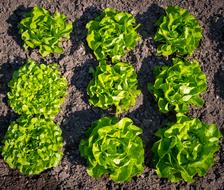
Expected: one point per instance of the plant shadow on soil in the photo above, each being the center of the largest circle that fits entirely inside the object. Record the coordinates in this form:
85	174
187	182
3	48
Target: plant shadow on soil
82	77
148	20
6	72
147	116
13	21
76	123
219	81
79	32
216	30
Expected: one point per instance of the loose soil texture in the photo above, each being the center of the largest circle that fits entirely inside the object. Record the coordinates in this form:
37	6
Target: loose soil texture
76	114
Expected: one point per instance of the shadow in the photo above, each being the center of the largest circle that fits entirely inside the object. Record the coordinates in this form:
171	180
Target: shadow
147	116
148	20
4	124
6	72
6	114
82	77
79	32
14	20
74	127
219	81
216	28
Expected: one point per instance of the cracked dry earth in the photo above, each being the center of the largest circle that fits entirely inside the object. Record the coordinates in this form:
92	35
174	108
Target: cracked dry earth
76	114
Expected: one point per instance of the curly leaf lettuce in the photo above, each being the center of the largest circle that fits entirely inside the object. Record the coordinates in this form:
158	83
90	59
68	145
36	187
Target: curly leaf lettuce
185	149
113	147
114	85
179	86
112	34
32	145
178	32
40	29
37	89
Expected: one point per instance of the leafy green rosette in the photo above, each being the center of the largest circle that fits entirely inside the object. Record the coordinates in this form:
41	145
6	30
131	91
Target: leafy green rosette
185	149
178	32
32	145
114	85
37	89
113	147
112	34
179	86
40	29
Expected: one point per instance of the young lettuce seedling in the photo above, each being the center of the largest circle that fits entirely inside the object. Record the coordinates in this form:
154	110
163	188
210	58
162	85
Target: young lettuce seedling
37	89
114	85
185	149
178	32
179	86
112	34
40	29
114	147
32	145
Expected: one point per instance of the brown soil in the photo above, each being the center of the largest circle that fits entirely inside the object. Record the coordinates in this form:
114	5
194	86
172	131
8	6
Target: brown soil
76	114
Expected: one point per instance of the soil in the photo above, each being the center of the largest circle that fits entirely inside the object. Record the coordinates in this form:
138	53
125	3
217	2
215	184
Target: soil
77	115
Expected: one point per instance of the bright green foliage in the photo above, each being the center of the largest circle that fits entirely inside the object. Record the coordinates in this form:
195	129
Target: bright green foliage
37	89
114	85
185	149
40	29
178	31
32	145
179	86
111	34
113	147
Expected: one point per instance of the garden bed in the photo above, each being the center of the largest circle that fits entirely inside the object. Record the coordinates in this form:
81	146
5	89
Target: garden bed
76	114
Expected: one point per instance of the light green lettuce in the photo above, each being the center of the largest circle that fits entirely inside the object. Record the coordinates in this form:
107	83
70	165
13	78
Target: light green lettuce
114	85
40	29
37	89
32	145
178	32
114	147
112	34
185	149
179	86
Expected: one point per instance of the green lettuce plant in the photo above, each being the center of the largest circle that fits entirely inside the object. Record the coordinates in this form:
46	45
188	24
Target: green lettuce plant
32	145
113	147
179	86
37	89
178	32
114	85
112	34
41	29
185	149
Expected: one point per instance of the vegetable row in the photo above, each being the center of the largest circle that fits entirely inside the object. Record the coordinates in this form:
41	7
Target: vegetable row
113	146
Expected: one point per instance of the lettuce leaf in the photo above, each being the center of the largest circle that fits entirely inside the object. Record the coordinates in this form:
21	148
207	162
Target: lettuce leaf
178	32
185	149
112	34
179	86
37	89
114	147
114	85
40	29
32	145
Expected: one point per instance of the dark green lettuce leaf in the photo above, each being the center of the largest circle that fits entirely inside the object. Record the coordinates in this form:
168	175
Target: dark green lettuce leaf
112	34
185	149
114	85
32	145
40	29
37	89
178	32
179	86
113	147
